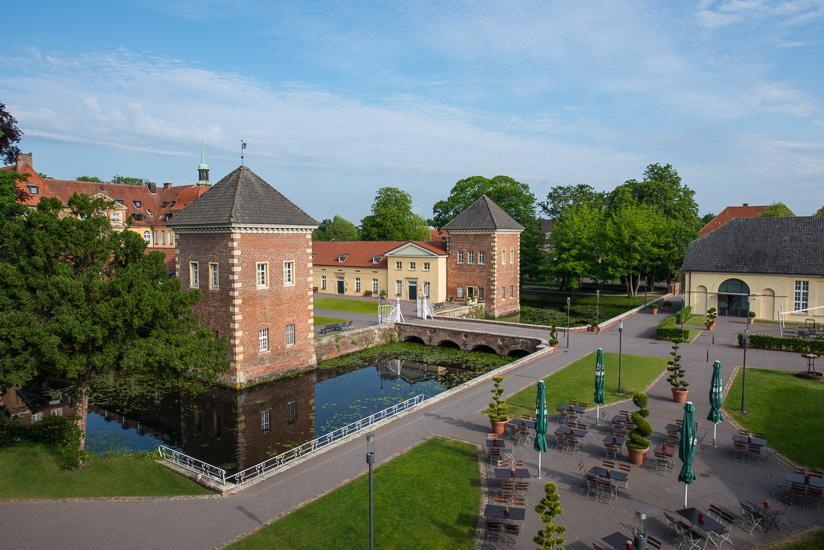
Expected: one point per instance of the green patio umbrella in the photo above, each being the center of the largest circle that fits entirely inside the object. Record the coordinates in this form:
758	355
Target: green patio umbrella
541	423
599	383
686	448
716	399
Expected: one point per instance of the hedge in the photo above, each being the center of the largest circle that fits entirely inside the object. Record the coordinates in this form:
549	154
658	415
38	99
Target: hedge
668	329
798	345
58	431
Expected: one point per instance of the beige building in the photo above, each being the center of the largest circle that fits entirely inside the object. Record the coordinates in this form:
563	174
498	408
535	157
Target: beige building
765	265
394	269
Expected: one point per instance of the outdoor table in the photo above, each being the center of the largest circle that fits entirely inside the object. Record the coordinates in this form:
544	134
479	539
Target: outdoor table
577	409
812	481
506	473
529	424
669	451
617	475
810	357
617	540
496	511
500	443
614	440
769	513
673	428
566	430
741	438
710	525
620	418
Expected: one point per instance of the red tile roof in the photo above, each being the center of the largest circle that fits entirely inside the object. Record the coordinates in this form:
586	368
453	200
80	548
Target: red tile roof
437	235
361	253
731	213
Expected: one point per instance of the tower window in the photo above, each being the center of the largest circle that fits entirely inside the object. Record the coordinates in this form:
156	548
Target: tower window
503	256
512	256
481	257
265	420
194	274
291	412
289	273
263	339
262	274
470	257
214	276
290	335
460	256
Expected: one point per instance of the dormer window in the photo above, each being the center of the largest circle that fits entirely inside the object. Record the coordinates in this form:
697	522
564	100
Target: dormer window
33	189
137	217
138	204
342	258
119	201
376	259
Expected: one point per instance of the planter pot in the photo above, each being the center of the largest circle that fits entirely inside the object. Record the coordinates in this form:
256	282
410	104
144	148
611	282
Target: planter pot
553	347
653	310
636	456
679	396
711	326
498	428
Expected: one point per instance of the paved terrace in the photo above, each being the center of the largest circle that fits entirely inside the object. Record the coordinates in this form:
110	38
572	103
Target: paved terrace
214	521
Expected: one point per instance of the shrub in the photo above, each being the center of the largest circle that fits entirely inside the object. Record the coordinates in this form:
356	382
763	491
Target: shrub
712	313
668	330
57	431
676	371
643	429
553	336
751	314
496	410
798	345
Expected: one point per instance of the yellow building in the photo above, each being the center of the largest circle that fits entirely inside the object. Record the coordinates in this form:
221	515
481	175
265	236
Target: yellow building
394	269
765	265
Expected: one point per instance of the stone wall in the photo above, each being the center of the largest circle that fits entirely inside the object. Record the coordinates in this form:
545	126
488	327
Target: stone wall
469	340
335	345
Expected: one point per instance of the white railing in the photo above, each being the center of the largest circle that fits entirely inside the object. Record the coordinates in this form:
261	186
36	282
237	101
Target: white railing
389	314
193	464
276	462
424	308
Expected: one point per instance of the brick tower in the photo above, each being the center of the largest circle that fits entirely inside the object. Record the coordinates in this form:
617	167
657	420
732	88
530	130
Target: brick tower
249	251
485	257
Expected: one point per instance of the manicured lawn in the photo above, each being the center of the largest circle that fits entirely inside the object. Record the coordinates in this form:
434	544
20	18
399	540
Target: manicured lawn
812	541
577	381
786	409
474	361
320	320
545	307
34	471
342	304
696	321
428	497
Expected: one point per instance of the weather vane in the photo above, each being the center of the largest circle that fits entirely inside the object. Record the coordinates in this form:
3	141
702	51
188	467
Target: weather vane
242	148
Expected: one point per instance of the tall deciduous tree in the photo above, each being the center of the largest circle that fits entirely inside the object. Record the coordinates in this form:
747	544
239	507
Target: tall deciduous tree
562	197
336	229
548	508
129	180
820	212
392	218
10	135
576	245
92	179
630	240
80	300
514	197
777	210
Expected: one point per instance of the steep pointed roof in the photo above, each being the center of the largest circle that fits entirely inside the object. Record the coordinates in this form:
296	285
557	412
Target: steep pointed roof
483	215
242	198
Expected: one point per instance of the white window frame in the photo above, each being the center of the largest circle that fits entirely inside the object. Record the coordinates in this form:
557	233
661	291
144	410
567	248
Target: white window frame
470	257
413	266
480	293
460	256
376	286
398	266
116	218
264	283
291	412
357	284
37	417
33	189
265	420
56	412
426	288
323	282
194	275
163	238
398	288
147	236
460	291
481	257
263	340
289	273
427	266
290	335
214	276
801	296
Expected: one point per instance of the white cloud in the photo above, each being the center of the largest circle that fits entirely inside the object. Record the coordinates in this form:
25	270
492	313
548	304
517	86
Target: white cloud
715	14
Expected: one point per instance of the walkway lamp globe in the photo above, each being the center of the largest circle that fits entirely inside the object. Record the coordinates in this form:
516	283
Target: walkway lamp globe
620	351
745	341
370	460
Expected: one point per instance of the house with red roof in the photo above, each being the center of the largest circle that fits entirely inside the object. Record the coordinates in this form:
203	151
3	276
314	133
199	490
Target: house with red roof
731	213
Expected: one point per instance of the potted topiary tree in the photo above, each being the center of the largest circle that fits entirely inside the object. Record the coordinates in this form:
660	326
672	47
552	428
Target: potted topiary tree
751	317
496	410
712	314
676	375
667	305
638	444
653	309
553	337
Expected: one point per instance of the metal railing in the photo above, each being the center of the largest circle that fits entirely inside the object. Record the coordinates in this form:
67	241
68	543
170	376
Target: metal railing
276	462
193	464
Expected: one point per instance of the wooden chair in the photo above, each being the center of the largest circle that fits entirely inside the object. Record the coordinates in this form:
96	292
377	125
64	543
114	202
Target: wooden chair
512	530
739	452
814	495
798	490
754	451
608	464
611	451
592	486
608	490
663	462
751	516
653	542
518	501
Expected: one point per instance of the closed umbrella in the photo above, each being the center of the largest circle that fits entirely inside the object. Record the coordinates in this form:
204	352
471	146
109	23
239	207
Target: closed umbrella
541	423
599	383
716	399
686	448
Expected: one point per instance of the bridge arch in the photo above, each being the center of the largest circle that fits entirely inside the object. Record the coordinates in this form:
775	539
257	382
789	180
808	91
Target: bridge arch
448	344
517	353
415	339
484	348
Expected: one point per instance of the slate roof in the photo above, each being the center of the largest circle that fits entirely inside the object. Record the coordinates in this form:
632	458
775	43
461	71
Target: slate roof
483	215
242	197
785	246
731	213
360	253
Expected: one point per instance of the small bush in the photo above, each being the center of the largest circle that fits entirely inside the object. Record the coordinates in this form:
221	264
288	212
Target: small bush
668	330
553	336
643	429
58	431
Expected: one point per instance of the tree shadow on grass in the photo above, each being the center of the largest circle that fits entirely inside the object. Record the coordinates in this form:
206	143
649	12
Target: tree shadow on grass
462	529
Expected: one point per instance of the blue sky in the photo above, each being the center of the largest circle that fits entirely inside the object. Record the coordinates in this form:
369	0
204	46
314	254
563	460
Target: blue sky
337	99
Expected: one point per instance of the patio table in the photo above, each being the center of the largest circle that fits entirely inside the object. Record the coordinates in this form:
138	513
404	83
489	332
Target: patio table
566	430
577	409
496	511
709	525
812	481
620	418
741	438
506	473
616	475
614	440
500	443
617	540
770	513
517	423
668	450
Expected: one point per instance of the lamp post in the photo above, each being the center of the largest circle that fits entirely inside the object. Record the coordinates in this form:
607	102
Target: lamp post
620	350
370	460
597	306
567	330
744	367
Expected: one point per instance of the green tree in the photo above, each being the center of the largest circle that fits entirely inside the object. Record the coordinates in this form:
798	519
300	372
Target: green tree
392	218
548	508
93	179
562	197
630	240
514	197
576	251
820	212
129	180
81	300
9	136
336	229
707	218
777	210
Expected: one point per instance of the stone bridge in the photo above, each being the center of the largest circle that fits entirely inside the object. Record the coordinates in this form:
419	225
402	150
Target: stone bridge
472	336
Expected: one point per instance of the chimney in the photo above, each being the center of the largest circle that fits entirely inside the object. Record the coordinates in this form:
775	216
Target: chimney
167	184
152	187
746	204
24	159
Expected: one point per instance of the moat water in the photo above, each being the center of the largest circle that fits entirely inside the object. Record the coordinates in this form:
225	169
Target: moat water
237	429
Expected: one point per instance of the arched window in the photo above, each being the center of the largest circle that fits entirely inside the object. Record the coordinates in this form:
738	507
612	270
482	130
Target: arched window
734	286
147	237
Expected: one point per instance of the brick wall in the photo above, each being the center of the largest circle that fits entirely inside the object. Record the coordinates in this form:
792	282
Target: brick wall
465	274
507	275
